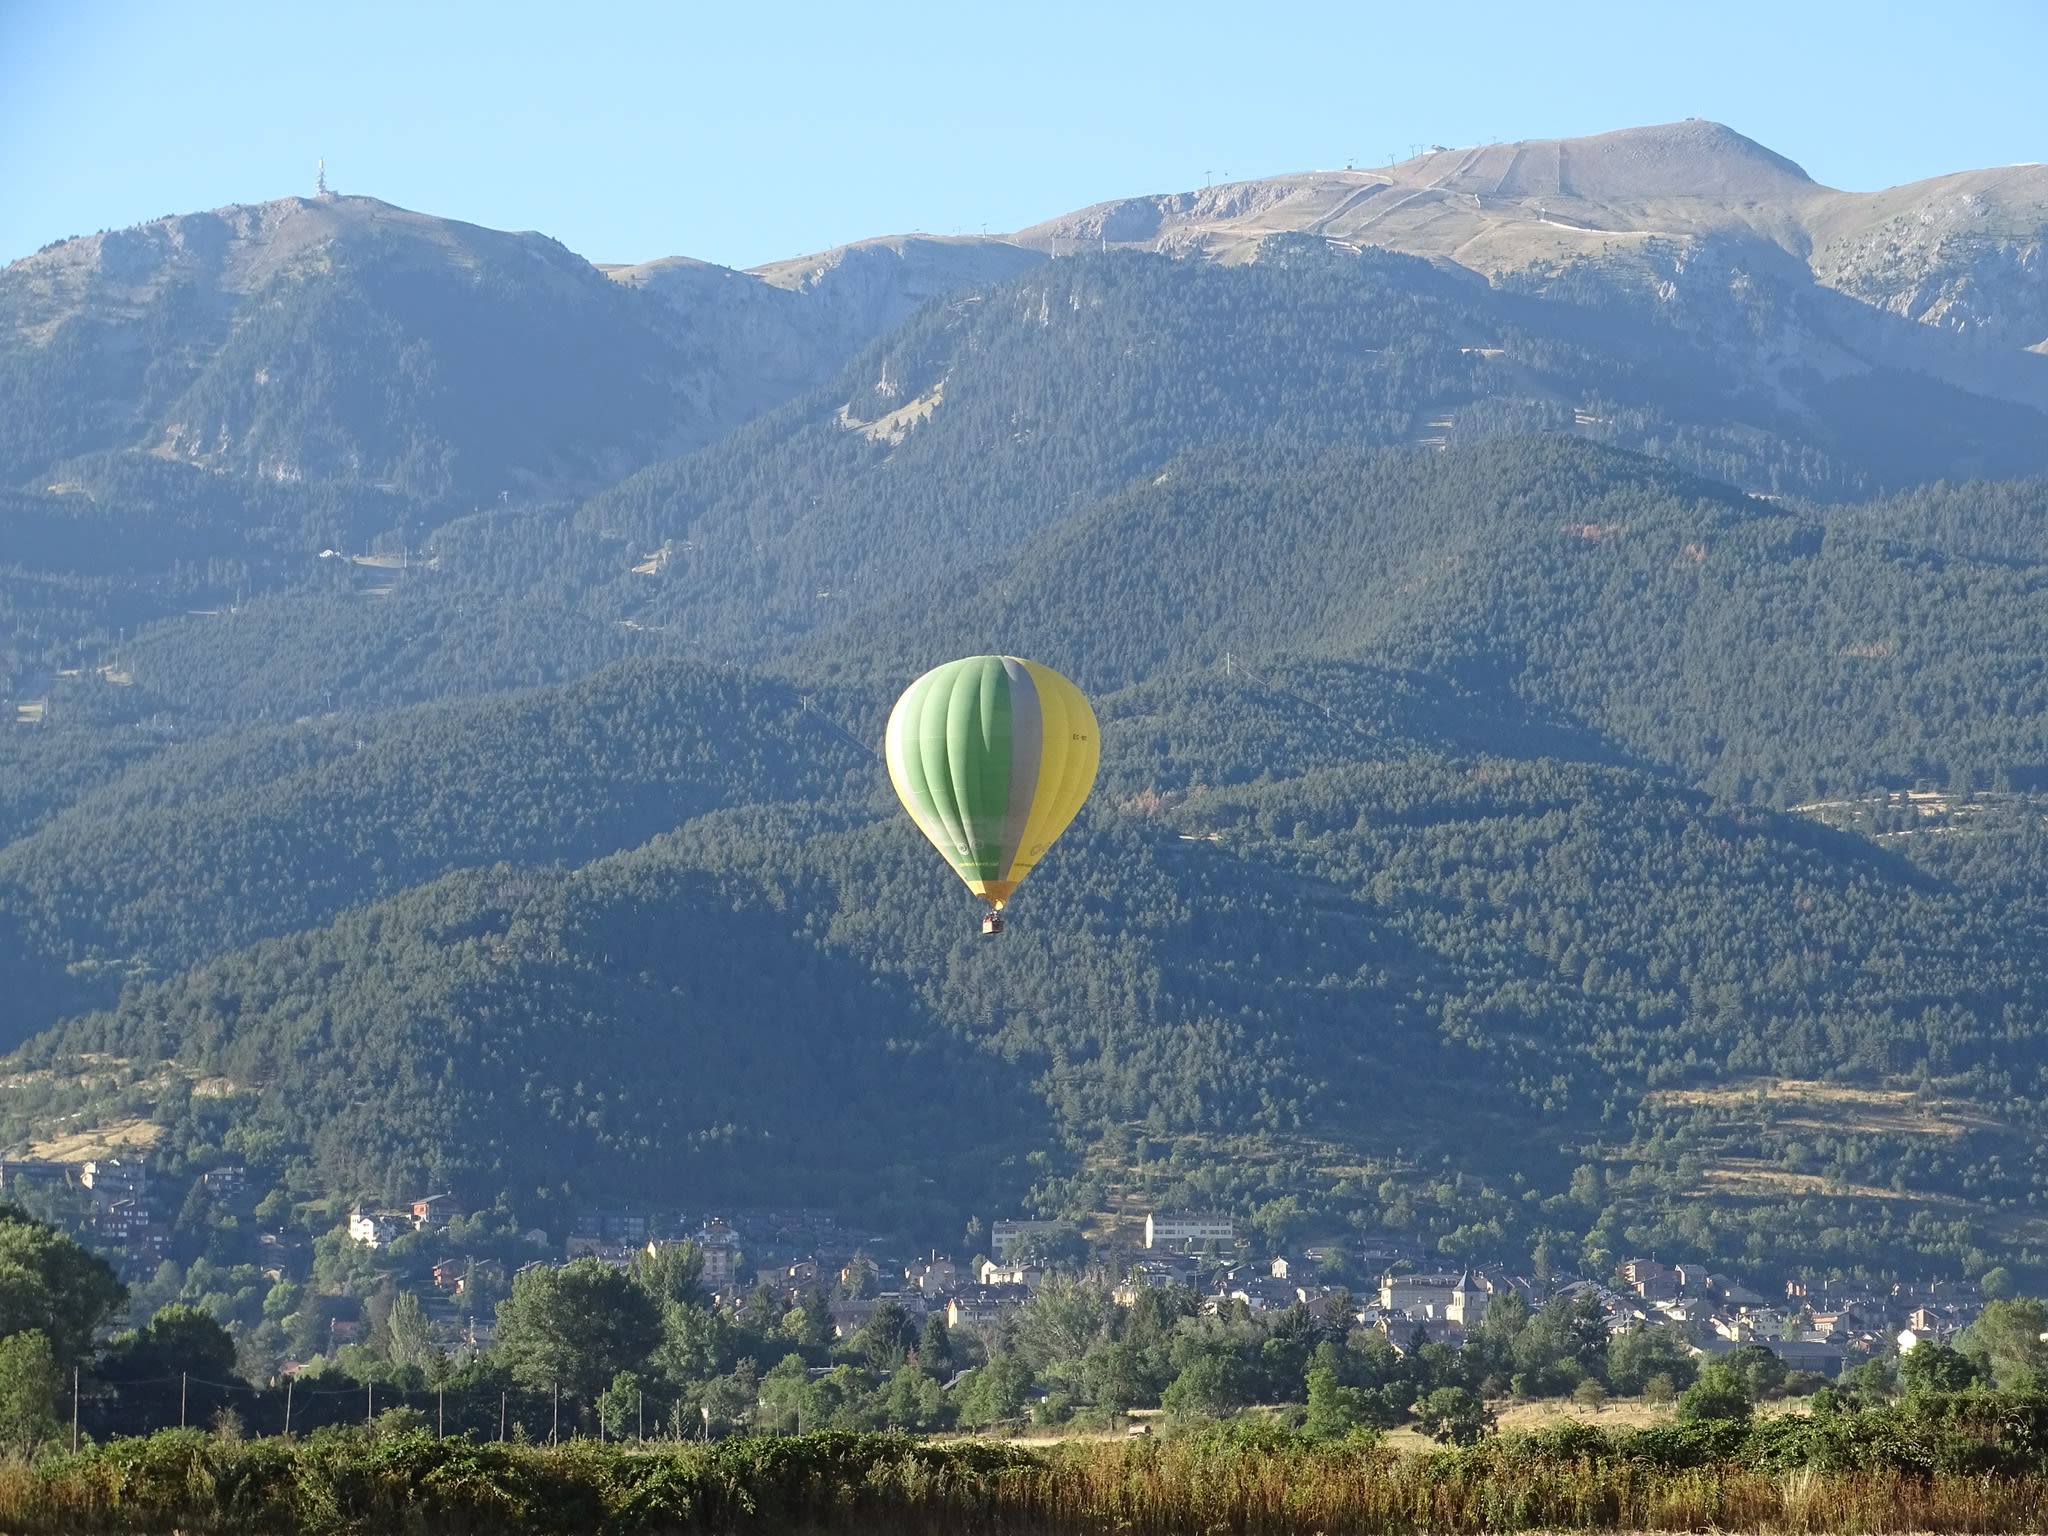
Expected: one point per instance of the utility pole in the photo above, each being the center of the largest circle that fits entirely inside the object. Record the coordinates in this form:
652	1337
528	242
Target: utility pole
288	1406
74	1410
183	1378
501	1416
640	1402
440	1412
370	1403
555	1430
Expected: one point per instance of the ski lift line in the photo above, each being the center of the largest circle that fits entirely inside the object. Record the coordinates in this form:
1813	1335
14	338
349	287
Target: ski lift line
1231	664
810	706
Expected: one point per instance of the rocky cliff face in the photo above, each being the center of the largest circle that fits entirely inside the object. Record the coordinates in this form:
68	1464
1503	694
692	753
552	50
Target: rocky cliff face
1958	259
798	321
858	292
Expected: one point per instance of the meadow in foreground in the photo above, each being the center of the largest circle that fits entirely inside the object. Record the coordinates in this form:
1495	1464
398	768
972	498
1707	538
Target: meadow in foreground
1959	1462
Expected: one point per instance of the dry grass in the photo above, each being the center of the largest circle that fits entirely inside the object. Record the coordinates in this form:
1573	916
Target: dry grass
133	1134
862	1484
1755	1176
1802	1104
73	1127
1616	1413
896	425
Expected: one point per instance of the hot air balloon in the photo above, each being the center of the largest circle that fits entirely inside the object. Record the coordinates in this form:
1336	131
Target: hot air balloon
992	756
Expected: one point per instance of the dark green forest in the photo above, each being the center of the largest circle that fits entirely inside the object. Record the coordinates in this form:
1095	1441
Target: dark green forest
1514	698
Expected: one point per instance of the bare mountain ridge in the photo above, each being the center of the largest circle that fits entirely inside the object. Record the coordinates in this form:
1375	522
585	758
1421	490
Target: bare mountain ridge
230	253
1962	256
112	332
1686	160
1924	250
1964	252
804	316
1965	256
708	346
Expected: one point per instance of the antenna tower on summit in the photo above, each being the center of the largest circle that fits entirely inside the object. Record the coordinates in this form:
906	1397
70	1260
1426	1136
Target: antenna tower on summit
320	180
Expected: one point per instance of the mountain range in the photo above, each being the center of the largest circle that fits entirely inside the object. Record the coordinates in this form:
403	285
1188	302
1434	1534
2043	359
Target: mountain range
1565	617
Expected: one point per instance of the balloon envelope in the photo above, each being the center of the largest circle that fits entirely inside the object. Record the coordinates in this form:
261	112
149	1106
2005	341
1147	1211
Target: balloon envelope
992	756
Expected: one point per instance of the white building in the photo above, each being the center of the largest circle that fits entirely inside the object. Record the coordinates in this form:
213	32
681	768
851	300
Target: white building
374	1229
1176	1229
1025	1273
934	1276
114	1178
1008	1232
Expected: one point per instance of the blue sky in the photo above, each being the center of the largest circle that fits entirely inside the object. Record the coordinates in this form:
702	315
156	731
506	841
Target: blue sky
743	133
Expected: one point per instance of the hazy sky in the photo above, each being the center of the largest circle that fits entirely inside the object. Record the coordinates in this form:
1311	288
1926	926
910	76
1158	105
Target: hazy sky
745	132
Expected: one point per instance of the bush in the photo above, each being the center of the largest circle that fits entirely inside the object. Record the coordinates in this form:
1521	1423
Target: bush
1454	1416
1719	1394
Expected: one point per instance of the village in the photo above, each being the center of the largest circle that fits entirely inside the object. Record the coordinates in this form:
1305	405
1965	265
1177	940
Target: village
1384	1282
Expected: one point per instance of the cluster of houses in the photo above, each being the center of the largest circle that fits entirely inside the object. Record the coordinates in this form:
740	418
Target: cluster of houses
121	1212
1813	1327
1819	1327
379	1229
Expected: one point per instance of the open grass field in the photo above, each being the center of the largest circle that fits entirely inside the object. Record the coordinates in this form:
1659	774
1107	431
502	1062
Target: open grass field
111	1139
1791	1104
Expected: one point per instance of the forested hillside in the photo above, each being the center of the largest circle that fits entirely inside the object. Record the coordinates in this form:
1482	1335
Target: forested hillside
986	420
1558	731
1411	958
211	845
1761	653
632	1021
